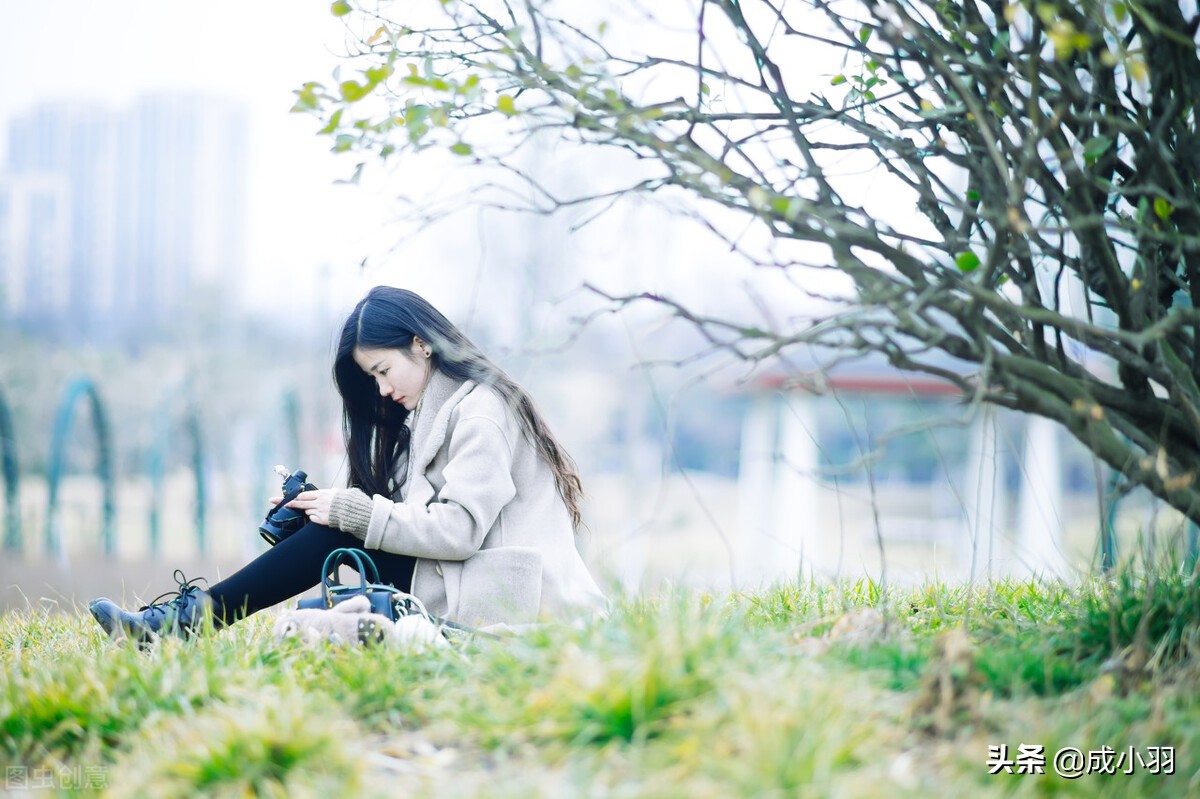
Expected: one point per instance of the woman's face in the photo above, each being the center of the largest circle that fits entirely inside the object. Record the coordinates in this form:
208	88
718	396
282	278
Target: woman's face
401	375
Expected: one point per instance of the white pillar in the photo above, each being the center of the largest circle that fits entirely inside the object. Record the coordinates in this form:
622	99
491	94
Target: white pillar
984	494
794	550
1039	531
757	467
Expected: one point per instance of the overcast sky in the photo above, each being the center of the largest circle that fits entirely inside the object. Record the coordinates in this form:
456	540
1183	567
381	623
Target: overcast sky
255	51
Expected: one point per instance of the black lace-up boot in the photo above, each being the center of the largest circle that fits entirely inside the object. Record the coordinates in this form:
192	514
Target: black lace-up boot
181	616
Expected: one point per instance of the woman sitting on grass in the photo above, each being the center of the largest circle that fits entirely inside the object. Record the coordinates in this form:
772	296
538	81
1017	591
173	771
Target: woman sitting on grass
457	489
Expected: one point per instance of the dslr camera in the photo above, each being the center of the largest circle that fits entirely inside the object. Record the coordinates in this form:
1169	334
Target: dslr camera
281	520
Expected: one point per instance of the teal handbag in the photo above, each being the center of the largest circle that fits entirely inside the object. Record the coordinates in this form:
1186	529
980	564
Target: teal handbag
386	600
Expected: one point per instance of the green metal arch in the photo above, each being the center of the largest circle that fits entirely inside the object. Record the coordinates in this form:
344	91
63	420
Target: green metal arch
77	389
157	467
12	476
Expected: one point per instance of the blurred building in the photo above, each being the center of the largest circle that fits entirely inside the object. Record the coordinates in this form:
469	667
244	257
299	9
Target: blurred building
846	466
153	199
34	233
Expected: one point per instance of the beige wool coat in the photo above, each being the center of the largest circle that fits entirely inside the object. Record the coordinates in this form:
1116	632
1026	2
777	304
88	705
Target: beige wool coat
479	509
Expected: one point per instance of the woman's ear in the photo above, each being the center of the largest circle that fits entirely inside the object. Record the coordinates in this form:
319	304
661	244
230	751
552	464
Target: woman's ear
420	348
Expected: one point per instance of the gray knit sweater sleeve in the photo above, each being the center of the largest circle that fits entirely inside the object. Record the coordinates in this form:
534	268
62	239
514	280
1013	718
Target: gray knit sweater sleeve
350	512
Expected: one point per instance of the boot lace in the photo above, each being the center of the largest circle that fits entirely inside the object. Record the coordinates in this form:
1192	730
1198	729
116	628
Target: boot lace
186	590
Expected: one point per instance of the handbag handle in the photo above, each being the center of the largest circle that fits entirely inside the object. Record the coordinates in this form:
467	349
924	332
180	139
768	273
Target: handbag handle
360	562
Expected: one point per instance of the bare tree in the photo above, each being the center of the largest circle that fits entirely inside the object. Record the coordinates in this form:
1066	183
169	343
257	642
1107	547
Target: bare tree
1049	148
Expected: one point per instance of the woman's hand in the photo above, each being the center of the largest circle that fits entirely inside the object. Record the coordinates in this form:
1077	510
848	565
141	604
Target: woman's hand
315	504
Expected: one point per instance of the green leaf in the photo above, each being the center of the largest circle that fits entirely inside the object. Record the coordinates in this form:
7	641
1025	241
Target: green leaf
704	89
415	114
1000	44
967	261
1163	209
334	121
377	75
837	80
461	148
1143	208
352	91
340	8
506	106
1095	147
788	207
865	34
417	131
306	97
972	196
343	143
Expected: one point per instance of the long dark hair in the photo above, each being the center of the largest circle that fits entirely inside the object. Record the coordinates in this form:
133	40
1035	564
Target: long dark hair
373	426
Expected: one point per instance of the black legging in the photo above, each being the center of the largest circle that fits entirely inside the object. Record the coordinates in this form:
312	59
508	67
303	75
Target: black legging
293	566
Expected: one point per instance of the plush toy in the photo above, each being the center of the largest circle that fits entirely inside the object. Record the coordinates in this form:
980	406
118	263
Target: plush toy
352	622
349	622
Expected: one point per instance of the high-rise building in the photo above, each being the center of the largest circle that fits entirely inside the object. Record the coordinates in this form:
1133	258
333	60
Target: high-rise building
181	202
156	199
35	230
73	144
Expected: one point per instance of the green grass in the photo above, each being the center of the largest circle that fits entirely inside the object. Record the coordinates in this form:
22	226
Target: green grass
683	694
